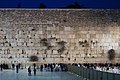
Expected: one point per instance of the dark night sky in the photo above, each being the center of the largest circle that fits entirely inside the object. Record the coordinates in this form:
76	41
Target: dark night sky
60	3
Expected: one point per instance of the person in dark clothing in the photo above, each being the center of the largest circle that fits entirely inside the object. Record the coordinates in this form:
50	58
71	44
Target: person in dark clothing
51	66
13	66
34	65
17	68
45	66
41	68
34	70
1	67
19	65
29	71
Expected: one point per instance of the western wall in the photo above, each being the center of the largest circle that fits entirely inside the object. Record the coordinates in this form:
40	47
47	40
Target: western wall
59	35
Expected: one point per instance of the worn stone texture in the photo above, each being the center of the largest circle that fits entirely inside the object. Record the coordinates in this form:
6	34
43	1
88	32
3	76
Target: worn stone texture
59	35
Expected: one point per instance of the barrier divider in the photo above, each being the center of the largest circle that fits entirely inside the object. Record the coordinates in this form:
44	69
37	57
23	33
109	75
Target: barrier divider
87	72
110	76
83	72
116	77
96	75
79	71
92	74
104	76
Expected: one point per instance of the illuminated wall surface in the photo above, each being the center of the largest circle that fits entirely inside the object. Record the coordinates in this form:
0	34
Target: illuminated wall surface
59	36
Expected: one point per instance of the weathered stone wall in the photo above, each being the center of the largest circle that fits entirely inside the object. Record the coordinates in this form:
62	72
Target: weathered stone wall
59	36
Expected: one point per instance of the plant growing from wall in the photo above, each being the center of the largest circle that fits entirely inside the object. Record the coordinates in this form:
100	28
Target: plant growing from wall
49	47
62	46
61	42
84	44
111	54
33	58
44	42
61	49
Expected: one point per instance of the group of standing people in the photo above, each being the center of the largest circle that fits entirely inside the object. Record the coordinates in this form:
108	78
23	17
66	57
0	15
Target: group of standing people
33	68
46	67
29	71
5	66
106	67
17	67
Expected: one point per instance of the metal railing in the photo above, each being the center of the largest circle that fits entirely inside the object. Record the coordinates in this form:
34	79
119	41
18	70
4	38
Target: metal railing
91	74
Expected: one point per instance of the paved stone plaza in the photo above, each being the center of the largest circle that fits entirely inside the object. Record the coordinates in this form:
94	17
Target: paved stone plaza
23	75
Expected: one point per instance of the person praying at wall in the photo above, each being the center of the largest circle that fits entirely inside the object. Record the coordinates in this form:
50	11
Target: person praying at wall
29	71
34	70
1	67
41	68
17	68
13	66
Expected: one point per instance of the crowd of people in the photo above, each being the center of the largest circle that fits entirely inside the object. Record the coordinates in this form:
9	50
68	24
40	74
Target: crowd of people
107	67
47	68
13	67
35	68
